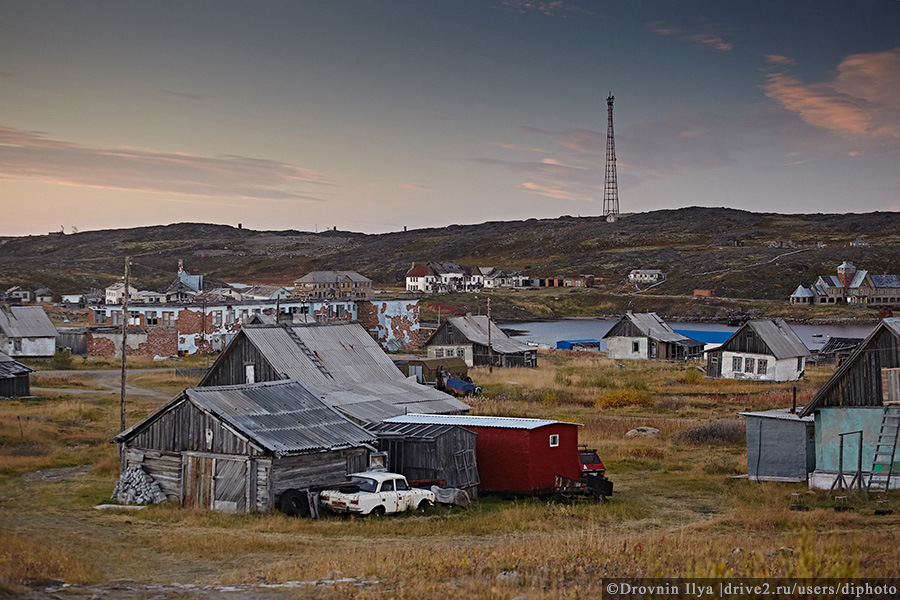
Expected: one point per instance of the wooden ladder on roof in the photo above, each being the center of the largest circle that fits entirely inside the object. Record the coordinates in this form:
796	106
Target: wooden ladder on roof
885	450
306	351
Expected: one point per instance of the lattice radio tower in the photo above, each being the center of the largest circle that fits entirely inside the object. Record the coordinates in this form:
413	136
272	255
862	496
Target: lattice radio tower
610	184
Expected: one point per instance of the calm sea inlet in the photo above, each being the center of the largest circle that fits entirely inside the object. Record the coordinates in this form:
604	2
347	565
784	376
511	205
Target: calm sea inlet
547	333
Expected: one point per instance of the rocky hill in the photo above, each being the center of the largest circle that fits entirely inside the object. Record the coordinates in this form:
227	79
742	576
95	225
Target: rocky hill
714	248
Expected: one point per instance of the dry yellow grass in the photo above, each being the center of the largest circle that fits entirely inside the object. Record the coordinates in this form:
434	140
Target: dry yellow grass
676	510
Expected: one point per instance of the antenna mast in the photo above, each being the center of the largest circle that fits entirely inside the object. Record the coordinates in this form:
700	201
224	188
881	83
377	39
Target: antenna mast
610	184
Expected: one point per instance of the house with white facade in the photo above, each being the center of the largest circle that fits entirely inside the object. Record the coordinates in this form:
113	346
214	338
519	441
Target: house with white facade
27	332
761	350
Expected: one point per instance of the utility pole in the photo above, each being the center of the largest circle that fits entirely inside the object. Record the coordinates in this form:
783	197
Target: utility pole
490	348
124	337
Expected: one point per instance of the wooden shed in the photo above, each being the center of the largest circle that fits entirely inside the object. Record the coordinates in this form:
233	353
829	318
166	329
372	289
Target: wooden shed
515	455
761	350
781	445
479	341
645	336
15	377
241	448
423	451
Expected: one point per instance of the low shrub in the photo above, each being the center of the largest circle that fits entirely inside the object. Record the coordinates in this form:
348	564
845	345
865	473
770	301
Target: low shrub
62	360
692	377
625	397
723	431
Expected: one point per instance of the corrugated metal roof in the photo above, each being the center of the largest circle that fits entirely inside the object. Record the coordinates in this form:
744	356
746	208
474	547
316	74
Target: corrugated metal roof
356	370
475	329
477	421
411	430
779	337
651	325
282	416
784	414
26	322
9	367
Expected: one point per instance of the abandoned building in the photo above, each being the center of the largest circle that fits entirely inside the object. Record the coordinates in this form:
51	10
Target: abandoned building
26	332
239	449
645	336
430	370
15	378
850	285
439	454
340	363
478	341
333	284
761	350
861	396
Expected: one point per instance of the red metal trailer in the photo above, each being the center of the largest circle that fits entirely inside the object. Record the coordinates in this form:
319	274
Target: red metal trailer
516	455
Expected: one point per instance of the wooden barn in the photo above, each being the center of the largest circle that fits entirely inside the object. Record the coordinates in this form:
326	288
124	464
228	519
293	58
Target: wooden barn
862	395
430	452
15	377
645	336
479	341
245	448
761	350
339	363
515	455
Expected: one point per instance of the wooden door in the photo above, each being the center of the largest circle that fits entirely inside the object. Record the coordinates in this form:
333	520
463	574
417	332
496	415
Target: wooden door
229	489
198	477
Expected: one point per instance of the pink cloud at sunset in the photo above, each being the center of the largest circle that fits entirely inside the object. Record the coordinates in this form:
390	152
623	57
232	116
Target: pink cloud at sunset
863	99
30	156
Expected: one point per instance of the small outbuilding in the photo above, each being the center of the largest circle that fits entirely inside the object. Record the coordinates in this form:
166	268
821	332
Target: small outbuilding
578	345
761	350
643	336
15	378
27	332
241	448
438	453
479	341
515	455
781	445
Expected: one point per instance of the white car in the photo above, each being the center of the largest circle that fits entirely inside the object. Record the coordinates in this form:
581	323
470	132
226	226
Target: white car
376	493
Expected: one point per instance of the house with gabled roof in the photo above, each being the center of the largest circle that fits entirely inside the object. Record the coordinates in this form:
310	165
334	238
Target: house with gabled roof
340	363
856	398
643	336
27	332
334	284
850	285
761	350
477	340
245	448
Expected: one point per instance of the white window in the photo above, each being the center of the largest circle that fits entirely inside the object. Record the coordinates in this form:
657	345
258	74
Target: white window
554	440
461	352
737	363
749	365
250	373
762	366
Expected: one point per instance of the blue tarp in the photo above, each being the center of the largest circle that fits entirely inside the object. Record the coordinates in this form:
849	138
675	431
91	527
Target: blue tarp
707	337
567	344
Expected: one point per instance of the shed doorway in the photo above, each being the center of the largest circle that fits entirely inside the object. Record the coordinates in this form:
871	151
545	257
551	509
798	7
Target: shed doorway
215	482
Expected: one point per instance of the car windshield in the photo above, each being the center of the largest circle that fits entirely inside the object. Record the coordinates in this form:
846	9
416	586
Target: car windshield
589	458
365	484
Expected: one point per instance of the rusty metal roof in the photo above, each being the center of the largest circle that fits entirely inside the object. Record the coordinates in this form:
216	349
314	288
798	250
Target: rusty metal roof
26	322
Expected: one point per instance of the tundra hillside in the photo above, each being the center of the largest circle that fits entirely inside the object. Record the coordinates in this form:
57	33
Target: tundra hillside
721	249
677	509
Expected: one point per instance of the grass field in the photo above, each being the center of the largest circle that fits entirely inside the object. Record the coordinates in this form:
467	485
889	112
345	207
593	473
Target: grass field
677	510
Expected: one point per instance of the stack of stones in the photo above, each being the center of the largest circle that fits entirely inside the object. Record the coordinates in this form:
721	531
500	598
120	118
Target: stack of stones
137	487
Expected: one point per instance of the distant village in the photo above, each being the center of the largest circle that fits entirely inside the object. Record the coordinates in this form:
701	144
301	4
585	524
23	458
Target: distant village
321	346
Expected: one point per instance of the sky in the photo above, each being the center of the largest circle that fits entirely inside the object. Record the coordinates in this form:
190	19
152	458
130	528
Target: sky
375	115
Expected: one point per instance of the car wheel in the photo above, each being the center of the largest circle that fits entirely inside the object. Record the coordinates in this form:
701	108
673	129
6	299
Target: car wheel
423	506
294	503
378	511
